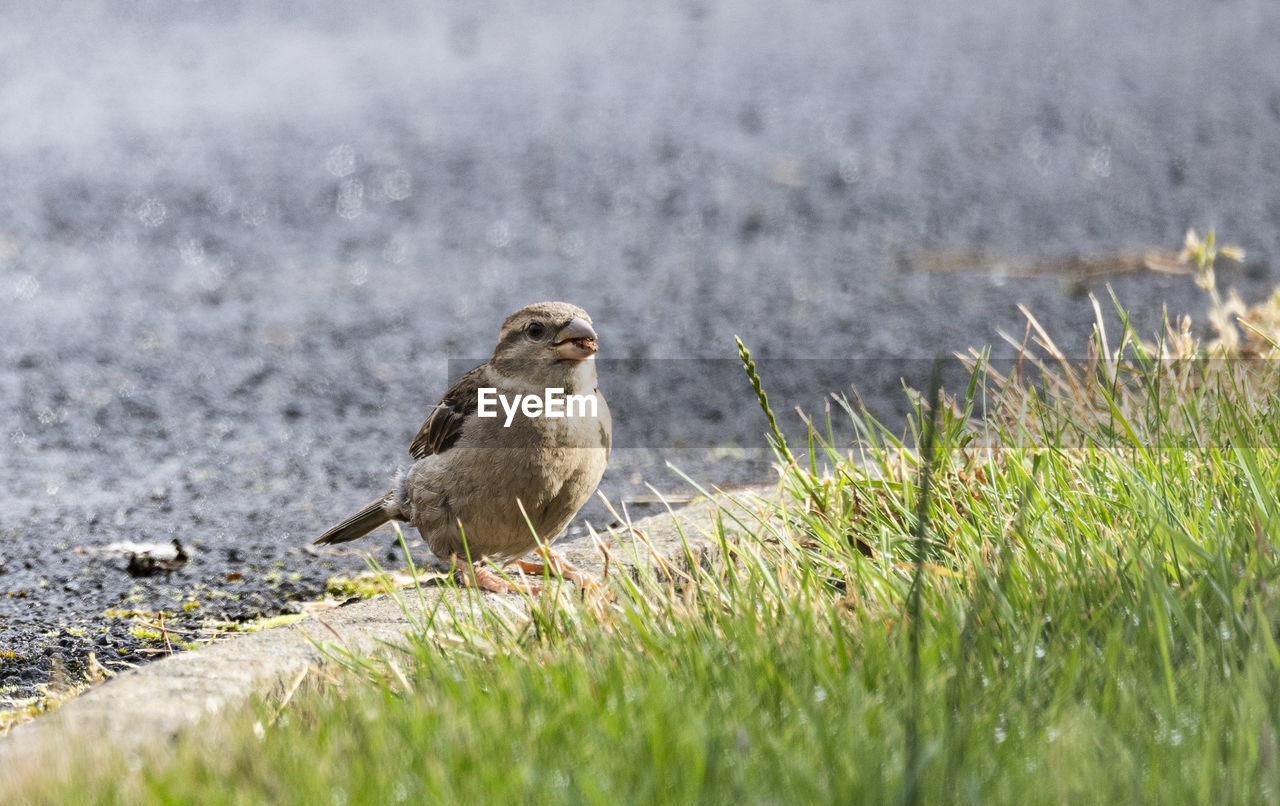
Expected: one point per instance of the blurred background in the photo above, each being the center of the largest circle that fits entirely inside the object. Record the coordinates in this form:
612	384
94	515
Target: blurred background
241	246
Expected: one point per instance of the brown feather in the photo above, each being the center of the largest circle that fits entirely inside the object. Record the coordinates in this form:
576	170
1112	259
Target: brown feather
358	525
444	424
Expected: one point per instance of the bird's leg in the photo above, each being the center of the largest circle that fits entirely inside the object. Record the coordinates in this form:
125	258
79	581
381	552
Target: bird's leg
558	564
479	576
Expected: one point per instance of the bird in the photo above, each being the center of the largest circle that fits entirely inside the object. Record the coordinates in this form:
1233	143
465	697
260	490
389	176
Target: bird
496	476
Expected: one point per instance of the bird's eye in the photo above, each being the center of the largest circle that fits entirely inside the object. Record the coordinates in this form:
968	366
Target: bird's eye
535	330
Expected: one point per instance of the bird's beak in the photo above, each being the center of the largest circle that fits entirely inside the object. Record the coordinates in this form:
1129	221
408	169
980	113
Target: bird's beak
576	341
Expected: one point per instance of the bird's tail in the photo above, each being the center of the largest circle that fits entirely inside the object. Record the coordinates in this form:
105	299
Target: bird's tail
360	524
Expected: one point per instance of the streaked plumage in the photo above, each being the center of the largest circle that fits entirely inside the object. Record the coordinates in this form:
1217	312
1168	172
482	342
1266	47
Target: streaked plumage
472	474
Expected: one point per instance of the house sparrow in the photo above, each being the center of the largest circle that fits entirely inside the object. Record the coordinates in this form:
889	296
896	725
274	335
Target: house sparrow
490	473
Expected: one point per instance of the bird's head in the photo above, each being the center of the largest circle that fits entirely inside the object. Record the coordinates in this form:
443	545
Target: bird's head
547	338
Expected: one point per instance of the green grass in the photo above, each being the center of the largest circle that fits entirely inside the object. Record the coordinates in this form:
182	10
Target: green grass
1086	612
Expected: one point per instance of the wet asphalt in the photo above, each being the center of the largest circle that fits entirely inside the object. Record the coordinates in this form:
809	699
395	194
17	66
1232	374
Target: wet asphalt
242	250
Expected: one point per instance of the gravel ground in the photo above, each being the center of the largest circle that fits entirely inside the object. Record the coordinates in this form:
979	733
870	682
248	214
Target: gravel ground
242	250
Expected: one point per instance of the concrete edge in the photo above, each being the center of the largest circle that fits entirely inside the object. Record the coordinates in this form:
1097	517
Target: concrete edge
151	705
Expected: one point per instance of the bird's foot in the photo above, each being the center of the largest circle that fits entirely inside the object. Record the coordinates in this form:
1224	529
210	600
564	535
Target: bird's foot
483	578
559	565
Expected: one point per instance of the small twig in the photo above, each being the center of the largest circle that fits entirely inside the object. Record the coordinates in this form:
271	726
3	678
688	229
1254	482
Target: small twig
327	626
161	628
673	498
289	694
165	635
603	549
404	681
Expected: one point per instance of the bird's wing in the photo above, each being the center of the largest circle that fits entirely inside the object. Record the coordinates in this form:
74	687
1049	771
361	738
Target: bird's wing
444	424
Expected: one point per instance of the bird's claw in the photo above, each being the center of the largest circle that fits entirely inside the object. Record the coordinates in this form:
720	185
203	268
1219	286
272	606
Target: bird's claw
478	576
561	567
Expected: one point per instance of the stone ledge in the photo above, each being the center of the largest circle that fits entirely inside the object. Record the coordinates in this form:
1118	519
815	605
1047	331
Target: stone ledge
152	704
